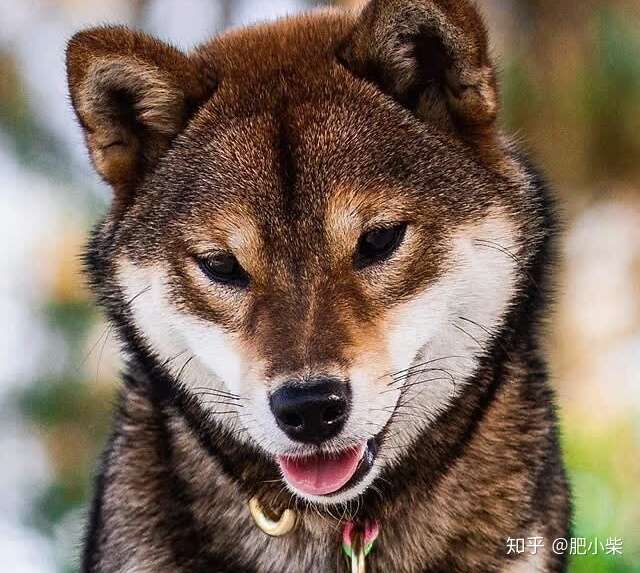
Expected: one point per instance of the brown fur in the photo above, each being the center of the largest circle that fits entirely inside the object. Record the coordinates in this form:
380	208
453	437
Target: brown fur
283	143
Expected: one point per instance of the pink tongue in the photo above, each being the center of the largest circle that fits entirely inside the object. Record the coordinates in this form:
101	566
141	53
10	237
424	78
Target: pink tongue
319	475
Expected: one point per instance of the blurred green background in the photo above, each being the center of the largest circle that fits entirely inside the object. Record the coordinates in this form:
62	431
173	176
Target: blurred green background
571	89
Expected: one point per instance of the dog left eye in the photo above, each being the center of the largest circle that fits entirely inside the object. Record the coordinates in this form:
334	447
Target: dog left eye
378	244
224	268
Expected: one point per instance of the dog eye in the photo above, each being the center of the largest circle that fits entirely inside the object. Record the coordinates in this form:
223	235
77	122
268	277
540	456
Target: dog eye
378	244
224	268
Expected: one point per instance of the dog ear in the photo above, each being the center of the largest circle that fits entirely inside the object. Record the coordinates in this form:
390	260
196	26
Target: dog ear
432	56
132	94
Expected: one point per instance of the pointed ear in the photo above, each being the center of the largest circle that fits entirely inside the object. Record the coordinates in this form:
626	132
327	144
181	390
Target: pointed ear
132	94
432	56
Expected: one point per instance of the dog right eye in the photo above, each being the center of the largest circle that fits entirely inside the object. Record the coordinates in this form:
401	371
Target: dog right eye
224	268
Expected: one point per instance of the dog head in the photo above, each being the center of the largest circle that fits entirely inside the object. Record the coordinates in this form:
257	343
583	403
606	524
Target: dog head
316	226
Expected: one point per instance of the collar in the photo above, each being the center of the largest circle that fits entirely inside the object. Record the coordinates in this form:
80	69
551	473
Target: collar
358	538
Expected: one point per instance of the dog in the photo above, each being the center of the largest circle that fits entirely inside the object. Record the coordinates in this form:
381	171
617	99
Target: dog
329	270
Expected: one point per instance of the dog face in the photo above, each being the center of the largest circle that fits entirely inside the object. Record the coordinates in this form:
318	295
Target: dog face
315	227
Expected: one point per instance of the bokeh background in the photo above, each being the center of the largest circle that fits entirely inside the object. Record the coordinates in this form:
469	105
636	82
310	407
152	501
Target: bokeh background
571	90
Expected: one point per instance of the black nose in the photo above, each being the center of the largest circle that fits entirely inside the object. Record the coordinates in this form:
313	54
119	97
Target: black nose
312	412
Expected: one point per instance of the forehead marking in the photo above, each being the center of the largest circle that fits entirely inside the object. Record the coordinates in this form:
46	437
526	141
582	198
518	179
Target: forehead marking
285	152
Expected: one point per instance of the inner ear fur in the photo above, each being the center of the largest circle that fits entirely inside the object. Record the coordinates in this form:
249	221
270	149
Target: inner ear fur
132	94
432	56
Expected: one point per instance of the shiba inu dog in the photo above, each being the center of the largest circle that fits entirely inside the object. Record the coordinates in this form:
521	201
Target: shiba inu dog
328	268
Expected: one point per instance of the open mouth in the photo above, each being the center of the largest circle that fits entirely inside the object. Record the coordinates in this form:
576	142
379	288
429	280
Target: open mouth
324	474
